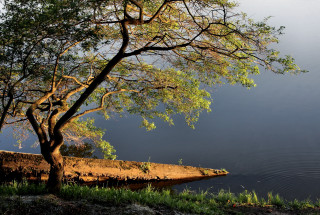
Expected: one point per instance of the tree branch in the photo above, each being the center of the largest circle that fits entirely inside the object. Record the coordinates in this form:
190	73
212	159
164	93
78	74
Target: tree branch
30	114
102	101
97	80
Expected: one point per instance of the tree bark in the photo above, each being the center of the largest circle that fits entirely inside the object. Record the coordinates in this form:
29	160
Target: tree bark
55	159
5	110
56	173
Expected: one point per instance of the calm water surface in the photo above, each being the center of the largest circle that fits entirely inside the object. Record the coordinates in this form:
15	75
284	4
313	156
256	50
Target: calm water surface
267	137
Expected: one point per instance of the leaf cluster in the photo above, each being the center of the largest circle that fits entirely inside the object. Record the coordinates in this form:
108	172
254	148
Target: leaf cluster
61	60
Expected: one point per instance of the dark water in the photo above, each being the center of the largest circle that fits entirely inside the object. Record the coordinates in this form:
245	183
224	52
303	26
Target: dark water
268	137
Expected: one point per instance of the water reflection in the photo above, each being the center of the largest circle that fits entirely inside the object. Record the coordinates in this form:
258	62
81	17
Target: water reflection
138	185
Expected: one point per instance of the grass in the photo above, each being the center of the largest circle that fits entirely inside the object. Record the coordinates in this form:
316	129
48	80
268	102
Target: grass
187	201
24	188
145	166
204	172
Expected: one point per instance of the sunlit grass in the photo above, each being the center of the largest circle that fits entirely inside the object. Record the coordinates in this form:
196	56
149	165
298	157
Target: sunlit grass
203	202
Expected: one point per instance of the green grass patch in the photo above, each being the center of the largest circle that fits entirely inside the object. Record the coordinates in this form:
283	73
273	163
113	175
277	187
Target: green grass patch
24	188
187	201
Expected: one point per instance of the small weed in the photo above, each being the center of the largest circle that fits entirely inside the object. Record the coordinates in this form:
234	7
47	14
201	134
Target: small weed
224	197
276	200
306	204
204	172
180	161
223	170
248	198
255	198
300	205
145	166
295	204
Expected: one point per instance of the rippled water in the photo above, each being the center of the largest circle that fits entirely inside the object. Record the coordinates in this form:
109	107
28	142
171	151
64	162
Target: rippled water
268	137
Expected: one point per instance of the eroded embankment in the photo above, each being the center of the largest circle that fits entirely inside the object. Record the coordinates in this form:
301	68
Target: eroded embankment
32	167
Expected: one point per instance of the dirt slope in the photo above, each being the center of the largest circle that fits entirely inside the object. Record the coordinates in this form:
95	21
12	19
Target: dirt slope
33	167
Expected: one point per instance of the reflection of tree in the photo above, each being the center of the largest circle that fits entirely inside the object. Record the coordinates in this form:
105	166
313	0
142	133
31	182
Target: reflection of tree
62	60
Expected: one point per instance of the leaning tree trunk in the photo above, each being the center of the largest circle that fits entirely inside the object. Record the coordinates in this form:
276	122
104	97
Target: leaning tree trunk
50	147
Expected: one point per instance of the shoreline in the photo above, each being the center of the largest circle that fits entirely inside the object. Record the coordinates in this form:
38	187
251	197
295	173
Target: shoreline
33	167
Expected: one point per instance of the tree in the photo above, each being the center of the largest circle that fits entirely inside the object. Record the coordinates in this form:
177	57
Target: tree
151	58
24	55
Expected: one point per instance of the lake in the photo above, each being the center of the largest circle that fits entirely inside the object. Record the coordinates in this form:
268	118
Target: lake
268	137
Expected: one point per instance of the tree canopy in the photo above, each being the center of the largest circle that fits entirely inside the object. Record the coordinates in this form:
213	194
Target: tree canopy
62	59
